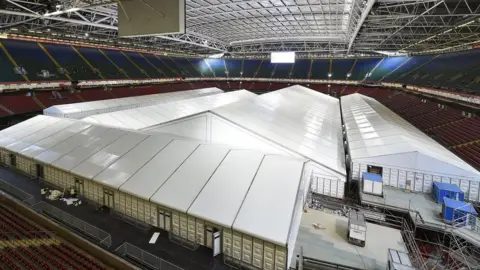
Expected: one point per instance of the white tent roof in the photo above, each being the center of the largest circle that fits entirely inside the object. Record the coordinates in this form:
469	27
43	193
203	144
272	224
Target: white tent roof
297	118
186	183
377	135
269	205
223	195
209	181
149	116
84	109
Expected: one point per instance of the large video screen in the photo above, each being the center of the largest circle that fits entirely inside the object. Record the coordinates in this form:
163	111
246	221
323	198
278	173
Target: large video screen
282	57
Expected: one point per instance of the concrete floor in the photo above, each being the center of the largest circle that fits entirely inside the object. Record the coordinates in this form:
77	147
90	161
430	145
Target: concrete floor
396	198
330	244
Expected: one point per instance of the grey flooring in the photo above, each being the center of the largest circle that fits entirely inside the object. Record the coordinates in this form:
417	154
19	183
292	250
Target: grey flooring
331	245
398	199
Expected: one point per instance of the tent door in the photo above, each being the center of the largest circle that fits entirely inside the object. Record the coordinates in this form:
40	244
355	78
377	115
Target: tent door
40	172
79	186
108	198
209	242
13	160
164	220
216	243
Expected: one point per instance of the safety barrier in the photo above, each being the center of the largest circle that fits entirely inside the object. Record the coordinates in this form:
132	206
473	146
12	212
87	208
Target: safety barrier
17	193
144	258
101	237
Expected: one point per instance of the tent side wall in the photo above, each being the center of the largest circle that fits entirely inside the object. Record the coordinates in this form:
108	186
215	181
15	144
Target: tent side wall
245	250
415	180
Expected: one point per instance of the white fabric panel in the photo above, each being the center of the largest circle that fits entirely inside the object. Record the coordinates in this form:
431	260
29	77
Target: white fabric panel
464	186
223	195
271	221
473	192
147	180
386	176
299	119
150	116
427	183
446	180
50	141
64	147
20	134
122	169
183	186
418	182
20	126
402	179
106	156
92	146
394	177
85	109
47	131
376	135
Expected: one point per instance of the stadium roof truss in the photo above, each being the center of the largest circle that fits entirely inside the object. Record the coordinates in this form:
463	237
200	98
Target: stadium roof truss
254	27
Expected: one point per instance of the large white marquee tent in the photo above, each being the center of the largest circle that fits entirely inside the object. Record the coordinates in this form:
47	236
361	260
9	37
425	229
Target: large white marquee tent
200	193
295	121
85	109
407	157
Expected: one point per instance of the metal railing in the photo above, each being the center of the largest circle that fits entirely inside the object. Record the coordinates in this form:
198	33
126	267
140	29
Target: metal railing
17	193
99	236
144	258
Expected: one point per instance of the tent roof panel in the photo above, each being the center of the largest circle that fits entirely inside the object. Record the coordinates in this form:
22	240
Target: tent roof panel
150	116
184	185
93	145
146	181
22	133
92	107
39	147
20	126
271	221
223	195
69	144
46	132
304	121
121	170
106	156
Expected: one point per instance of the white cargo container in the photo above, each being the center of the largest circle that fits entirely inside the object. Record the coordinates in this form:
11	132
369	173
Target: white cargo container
357	229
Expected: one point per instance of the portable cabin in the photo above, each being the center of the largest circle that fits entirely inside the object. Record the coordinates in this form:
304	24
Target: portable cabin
399	260
451	191
372	183
460	213
357	229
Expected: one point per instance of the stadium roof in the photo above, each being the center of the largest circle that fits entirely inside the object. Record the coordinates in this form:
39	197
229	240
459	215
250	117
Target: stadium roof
84	109
218	183
149	116
296	118
321	26
376	134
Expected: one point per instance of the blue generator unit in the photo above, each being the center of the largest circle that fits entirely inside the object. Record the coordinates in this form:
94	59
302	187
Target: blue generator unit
444	190
458	213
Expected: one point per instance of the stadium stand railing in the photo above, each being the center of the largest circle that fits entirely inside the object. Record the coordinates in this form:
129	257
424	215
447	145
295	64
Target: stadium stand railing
144	258
101	237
